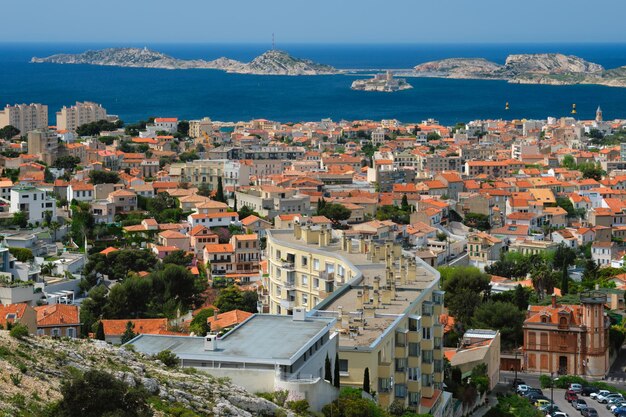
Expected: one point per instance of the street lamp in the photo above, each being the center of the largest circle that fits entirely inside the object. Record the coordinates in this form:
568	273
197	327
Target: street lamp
552	381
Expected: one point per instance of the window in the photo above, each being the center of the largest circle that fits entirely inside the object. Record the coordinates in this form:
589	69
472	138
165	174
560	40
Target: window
305	299
415	398
305	281
56	332
427	356
414	374
400	364
414	349
305	261
427	380
316	283
316	264
400	390
71	332
343	366
384	384
414	324
400	339
426	333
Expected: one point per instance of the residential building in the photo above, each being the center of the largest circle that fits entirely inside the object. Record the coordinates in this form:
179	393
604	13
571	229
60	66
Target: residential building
33	201
44	144
483	249
478	347
58	320
25	117
21	313
69	118
270	201
117	202
386	304
265	353
568	339
228	320
198	128
603	252
115	329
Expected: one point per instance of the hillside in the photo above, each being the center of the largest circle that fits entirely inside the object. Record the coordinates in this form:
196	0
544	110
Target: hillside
270	63
33	369
555	69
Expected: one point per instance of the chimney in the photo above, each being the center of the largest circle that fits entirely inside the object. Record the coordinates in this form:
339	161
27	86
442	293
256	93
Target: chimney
554	301
297	230
376	299
210	342
322	239
299	314
376	283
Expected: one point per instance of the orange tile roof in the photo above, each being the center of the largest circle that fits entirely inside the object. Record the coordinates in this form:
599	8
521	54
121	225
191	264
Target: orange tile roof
228	319
17	309
218	248
57	315
142	326
108	250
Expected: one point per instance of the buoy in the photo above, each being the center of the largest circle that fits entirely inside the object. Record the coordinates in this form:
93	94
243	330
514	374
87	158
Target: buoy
574	108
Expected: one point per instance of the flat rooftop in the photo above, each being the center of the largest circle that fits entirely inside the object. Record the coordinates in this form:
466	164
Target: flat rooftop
348	299
260	339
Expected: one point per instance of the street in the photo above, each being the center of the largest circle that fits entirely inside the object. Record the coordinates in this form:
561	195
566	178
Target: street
533	379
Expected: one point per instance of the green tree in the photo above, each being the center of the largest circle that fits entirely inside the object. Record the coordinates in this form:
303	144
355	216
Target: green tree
405	203
167	358
336	375
8	132
466	288
183	128
336	212
94	128
219	195
366	380
98	394
232	298
20	219
67	162
22	254
178	257
92	309
568	162
103	177
204	190
199	324
54	226
564	281
100	331
505	317
129	333
328	373
19	331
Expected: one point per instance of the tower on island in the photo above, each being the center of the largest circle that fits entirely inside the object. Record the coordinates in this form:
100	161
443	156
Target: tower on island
599	114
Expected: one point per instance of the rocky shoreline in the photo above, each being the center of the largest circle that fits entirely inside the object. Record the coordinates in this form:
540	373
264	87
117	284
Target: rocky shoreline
273	62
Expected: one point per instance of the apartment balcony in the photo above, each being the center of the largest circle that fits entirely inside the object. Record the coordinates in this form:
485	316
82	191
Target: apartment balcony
438	331
414	386
326	276
427	368
400	351
289	285
287	304
427	321
427	344
399	377
414	337
288	266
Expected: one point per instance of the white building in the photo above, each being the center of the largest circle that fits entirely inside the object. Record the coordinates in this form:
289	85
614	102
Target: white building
168	124
80	192
213	219
33	201
265	353
25	117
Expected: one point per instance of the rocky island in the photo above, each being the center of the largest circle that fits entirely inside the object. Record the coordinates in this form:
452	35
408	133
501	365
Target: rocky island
272	62
381	82
555	69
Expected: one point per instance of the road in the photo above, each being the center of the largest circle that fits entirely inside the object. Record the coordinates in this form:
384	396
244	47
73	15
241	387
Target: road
559	400
533	379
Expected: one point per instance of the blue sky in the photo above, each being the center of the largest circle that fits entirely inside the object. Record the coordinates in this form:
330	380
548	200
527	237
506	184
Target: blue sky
314	21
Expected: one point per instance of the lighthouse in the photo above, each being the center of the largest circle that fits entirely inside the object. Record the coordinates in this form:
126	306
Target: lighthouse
599	114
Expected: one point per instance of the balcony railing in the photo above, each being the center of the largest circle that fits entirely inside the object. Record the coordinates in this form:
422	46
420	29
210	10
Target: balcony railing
327	276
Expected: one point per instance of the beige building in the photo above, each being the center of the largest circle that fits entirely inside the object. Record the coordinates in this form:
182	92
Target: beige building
25	117
478	347
69	118
43	143
270	201
198	128
386	305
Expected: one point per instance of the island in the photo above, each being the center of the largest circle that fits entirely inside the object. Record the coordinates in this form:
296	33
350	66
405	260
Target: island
381	82
272	62
554	69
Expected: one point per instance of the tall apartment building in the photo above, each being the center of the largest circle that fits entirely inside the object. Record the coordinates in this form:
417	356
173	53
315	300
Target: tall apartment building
69	118
25	117
43	143
198	127
386	302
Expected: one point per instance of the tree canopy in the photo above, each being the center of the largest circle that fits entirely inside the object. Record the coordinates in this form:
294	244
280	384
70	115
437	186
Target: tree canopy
104	177
94	128
503	316
466	288
232	298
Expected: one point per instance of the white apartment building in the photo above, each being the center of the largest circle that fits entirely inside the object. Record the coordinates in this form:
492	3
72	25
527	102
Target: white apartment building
33	201
25	117
167	124
69	118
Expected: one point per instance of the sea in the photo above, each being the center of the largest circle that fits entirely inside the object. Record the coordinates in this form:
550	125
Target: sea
138	93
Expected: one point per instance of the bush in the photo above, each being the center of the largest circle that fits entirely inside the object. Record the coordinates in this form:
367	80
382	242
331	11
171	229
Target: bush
168	358
298	406
19	331
22	254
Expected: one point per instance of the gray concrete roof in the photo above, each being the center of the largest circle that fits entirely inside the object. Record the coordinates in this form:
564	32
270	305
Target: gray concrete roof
263	338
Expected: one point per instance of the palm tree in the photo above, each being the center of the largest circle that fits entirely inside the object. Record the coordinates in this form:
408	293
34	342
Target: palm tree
53	226
47	268
540	276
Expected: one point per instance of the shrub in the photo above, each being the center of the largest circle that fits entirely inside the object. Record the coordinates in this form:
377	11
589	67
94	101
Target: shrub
298	406
19	331
168	358
16	379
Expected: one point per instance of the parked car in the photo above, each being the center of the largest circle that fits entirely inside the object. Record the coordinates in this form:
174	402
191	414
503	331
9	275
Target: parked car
579	404
532	390
570	396
557	414
602	392
522	388
589	412
588	390
576	387
517	382
550	409
619	410
616	404
541	402
603	399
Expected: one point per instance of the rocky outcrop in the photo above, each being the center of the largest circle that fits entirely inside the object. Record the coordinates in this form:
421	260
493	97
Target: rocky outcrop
270	63
555	69
38	366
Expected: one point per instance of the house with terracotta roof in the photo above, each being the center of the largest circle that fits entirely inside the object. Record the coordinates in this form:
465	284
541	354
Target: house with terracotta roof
219	258
602	253
174	238
224	321
114	329
80	191
483	249
213	219
477	347
568	339
58	320
199	237
22	313
257	225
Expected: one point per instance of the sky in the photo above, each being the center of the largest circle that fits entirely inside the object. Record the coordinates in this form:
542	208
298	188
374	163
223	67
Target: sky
314	21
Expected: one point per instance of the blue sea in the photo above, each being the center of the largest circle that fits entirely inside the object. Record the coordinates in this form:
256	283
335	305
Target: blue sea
137	93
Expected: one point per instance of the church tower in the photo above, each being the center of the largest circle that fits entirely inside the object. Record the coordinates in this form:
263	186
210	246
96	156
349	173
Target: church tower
599	114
